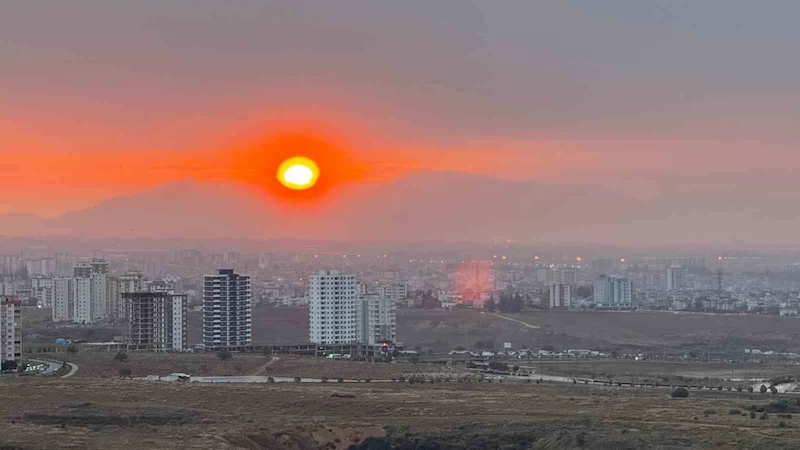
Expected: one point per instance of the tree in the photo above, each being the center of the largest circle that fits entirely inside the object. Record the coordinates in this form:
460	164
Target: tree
9	365
121	356
225	355
489	304
515	368
125	372
680	392
763	389
584	291
414	358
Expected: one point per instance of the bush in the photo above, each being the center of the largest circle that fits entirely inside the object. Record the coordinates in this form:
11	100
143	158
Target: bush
763	389
781	424
763	416
324	379
734	412
125	372
719	388
752	414
515	369
749	388
773	389
402	379
738	389
121	356
340	380
225	355
296	379
367	380
270	380
680	393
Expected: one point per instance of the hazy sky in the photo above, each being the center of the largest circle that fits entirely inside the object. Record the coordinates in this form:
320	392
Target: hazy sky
101	98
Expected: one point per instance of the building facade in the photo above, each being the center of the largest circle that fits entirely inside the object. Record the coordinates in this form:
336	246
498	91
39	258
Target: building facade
332	302
154	320
10	328
376	319
613	293
227	303
395	291
63	300
676	278
42	291
560	296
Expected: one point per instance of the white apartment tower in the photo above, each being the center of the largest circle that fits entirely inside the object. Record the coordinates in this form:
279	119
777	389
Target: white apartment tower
676	278
376	319
10	329
90	294
613	292
560	296
333	300
63	298
227	302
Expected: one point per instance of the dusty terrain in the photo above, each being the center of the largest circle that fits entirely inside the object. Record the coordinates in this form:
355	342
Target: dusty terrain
441	330
128	414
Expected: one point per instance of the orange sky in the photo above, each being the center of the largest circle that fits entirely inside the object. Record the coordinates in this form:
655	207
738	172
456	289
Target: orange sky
106	99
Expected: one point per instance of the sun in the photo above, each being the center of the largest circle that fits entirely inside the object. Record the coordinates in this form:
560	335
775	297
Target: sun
298	173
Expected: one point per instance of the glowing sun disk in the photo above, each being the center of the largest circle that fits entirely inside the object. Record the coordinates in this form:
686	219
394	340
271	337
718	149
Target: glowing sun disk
298	173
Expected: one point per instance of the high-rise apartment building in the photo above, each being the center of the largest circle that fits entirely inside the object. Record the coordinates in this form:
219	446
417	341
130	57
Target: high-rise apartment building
132	281
227	300
332	301
90	291
613	292
560	296
42	291
376	319
565	275
342	313
676	278
63	298
154	320
395	291
10	328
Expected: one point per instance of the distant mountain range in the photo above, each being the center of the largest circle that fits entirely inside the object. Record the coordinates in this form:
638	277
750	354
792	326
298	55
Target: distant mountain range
436	207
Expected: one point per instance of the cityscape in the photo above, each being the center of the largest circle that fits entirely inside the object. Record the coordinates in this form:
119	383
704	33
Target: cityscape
399	225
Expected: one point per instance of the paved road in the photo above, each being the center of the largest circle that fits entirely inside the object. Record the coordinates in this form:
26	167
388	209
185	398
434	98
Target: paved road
53	366
513	320
265	366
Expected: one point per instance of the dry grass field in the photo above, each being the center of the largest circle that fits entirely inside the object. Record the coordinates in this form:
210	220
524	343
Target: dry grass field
623	331
97	413
141	364
292	366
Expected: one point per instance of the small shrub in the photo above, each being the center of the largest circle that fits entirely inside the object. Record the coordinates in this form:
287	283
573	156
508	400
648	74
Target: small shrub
738	389
719	388
125	372
749	388
773	389
225	355
270	380
752	414
763	416
680	393
296	379
401	379
538	381
734	412
781	424
121	356
324	379
367	380
763	389
709	412
340	380
411	380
